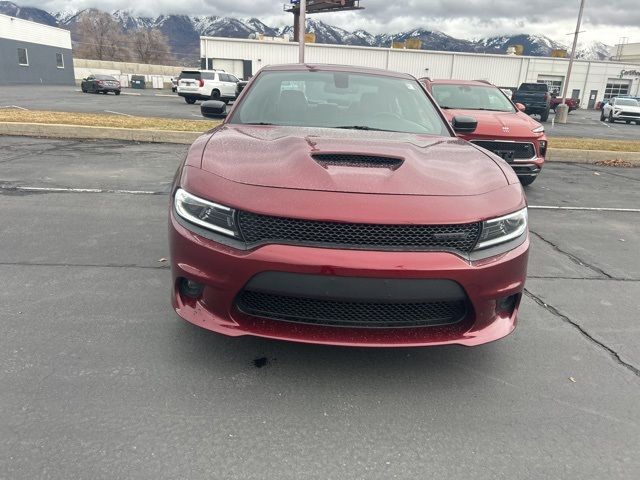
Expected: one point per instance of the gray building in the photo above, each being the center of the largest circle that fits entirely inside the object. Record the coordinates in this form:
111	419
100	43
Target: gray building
32	53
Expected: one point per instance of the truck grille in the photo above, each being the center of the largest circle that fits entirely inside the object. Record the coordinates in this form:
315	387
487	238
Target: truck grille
508	150
630	114
342	313
262	229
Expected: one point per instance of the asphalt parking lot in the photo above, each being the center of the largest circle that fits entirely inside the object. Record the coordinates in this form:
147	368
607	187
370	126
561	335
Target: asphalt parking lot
163	103
100	379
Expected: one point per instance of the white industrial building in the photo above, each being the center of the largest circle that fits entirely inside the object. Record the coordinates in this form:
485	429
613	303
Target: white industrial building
591	81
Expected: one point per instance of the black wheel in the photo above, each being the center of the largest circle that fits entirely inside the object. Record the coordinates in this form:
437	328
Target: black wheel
637	122
117	92
215	95
544	116
628	122
611	120
525	181
602	117
190	100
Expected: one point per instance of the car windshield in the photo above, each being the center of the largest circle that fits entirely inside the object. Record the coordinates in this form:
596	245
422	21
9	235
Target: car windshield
346	100
627	102
471	97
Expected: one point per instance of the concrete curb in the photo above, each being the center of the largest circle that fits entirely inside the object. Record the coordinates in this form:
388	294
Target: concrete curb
97	133
590	156
186	138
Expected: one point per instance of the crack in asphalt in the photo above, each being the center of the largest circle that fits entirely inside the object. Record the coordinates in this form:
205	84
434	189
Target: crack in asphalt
81	265
573	258
598	279
605	172
555	312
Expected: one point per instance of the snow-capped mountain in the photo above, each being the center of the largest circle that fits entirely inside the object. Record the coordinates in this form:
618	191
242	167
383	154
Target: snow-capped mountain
594	51
183	33
534	45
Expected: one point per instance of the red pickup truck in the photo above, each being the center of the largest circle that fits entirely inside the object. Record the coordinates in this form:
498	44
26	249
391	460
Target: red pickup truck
572	103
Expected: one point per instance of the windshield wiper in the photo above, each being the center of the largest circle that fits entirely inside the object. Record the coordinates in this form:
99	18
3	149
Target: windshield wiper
362	127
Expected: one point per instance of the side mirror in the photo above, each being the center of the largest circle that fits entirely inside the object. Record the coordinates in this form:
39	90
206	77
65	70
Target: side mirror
520	107
463	124
213	109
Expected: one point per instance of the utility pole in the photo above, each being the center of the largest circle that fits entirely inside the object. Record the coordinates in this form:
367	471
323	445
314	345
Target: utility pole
302	26
561	117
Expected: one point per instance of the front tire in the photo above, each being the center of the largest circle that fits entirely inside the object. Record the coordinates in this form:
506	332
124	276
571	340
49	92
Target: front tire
215	95
117	92
190	100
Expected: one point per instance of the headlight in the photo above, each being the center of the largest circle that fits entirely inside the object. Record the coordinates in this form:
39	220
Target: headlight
206	214
502	229
539	129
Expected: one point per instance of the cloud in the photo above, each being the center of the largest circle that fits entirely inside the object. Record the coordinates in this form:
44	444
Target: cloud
461	18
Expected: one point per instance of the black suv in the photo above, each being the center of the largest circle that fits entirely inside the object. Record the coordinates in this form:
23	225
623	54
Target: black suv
535	97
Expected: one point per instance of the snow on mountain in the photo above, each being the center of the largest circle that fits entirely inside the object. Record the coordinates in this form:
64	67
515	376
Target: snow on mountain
594	51
535	45
183	33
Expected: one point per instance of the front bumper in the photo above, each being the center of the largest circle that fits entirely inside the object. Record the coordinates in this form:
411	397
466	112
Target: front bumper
225	271
629	118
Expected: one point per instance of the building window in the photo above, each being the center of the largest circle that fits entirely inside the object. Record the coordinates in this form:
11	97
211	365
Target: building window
59	60
23	57
555	83
616	89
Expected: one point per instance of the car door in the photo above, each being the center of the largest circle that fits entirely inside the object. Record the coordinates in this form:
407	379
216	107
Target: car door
91	83
233	84
228	87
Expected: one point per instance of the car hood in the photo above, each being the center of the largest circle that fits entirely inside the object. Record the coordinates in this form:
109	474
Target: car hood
498	124
281	157
625	108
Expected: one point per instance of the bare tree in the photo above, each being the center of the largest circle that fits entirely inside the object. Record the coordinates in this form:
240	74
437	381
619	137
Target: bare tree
150	46
100	37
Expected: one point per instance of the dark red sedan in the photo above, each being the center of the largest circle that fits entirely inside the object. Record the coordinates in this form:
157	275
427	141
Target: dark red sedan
336	205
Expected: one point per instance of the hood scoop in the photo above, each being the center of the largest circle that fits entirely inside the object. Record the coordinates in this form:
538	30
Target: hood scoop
357	160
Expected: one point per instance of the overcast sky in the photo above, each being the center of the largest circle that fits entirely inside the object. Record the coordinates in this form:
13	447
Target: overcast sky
605	20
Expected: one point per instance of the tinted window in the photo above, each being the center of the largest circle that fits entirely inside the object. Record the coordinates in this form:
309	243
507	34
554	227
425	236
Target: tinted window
208	75
233	79
340	100
190	75
225	77
471	97
534	87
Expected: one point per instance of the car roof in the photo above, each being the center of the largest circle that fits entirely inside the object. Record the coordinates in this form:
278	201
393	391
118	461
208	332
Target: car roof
297	67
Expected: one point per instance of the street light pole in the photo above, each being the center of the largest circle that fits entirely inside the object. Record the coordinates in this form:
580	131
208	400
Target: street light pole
562	117
302	22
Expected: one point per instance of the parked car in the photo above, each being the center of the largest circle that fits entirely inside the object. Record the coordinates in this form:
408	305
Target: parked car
621	109
207	85
240	86
100	84
502	127
536	99
345	212
572	103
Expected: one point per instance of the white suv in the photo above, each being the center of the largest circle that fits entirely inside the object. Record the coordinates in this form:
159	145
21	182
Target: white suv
206	85
623	109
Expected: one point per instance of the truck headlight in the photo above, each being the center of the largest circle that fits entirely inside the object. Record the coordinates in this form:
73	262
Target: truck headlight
206	214
502	229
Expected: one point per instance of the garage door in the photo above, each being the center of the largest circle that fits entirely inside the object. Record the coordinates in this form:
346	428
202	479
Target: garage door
231	66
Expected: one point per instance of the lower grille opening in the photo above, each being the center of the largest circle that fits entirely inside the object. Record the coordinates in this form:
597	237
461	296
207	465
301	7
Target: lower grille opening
342	313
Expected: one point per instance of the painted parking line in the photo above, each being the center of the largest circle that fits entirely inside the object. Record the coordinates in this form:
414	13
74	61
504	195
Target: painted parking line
165	95
78	190
14	106
129	93
119	113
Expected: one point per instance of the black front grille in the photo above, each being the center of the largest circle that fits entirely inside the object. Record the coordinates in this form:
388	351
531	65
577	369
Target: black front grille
262	229
350	313
351	160
630	114
508	150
